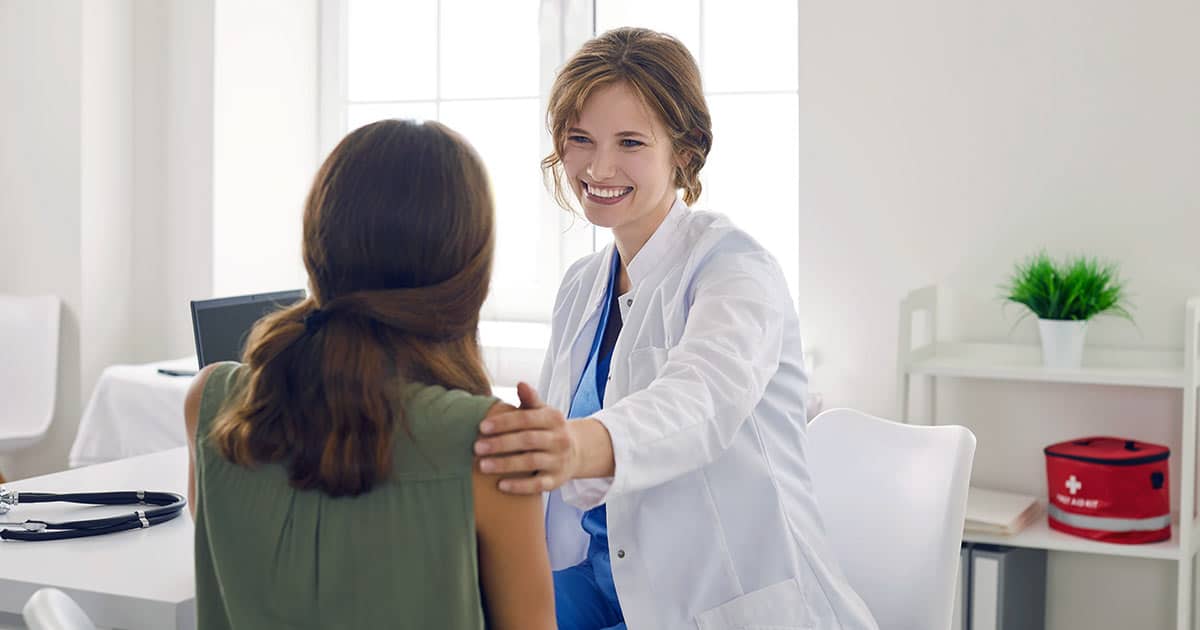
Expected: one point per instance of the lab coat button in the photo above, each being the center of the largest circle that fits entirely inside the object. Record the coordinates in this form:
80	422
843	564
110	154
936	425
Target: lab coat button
629	302
620	553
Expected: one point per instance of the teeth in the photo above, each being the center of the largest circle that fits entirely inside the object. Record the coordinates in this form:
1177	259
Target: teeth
607	193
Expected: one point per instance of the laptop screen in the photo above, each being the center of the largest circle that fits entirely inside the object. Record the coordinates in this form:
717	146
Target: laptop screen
222	325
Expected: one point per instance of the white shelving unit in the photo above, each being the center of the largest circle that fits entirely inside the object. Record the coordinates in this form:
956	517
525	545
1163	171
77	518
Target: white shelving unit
1165	369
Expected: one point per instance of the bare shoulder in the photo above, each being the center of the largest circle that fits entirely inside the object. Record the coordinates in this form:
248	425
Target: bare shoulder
195	393
495	509
497	512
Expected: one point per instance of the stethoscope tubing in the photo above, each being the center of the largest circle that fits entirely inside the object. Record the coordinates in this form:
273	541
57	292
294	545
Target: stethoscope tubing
168	505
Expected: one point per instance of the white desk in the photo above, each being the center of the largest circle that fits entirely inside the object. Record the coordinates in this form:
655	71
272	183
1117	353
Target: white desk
133	410
136	579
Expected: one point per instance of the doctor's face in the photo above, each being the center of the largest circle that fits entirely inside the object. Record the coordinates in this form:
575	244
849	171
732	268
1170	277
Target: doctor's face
619	159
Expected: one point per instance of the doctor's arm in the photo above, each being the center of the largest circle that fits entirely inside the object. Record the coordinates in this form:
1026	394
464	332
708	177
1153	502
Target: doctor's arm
534	447
710	382
537	450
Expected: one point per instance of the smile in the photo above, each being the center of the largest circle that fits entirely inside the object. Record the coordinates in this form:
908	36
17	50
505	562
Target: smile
605	194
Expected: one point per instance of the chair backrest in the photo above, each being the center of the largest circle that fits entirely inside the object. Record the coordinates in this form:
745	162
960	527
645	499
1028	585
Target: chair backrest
52	609
29	330
893	498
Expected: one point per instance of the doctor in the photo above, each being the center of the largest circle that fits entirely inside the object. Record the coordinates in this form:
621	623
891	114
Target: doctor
679	493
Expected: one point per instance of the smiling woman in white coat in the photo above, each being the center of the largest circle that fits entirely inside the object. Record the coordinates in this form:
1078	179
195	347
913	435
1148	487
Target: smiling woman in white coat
678	491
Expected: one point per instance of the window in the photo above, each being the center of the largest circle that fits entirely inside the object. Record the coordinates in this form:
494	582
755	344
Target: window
748	54
484	68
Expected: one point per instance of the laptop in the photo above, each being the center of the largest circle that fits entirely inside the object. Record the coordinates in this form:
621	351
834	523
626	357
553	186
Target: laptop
222	325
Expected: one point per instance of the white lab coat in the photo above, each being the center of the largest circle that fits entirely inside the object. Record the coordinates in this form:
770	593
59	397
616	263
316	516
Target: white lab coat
712	522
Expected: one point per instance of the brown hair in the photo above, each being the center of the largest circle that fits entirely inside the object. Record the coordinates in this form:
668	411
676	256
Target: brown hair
398	239
661	71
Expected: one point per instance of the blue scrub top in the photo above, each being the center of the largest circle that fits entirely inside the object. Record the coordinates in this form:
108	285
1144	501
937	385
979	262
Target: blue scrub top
588	399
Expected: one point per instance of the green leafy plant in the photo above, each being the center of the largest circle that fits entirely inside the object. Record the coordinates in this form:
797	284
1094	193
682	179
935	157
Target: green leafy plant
1079	289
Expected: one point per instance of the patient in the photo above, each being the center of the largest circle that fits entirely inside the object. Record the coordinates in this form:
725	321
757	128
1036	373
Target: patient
332	481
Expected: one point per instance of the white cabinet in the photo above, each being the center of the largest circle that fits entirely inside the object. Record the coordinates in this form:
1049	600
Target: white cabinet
1167	369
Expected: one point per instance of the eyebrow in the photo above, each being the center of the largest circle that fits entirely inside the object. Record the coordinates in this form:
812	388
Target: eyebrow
619	134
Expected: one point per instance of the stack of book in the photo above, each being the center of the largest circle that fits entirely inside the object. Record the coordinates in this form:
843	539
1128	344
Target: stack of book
999	513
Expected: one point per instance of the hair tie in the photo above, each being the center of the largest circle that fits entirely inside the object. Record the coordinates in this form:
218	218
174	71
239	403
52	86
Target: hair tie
314	320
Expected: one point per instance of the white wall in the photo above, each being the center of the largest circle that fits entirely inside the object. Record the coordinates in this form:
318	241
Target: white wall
106	184
40	163
265	145
943	141
110	174
152	59
107	118
187	206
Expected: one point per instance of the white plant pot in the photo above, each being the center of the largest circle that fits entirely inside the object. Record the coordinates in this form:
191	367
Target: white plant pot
1062	342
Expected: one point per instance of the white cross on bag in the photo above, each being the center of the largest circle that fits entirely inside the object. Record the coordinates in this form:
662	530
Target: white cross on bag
1073	484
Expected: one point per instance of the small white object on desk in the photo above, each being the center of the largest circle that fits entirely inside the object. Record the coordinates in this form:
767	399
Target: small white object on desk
138	579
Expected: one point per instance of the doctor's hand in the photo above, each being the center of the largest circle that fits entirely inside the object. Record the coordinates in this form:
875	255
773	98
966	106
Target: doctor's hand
534	449
531	447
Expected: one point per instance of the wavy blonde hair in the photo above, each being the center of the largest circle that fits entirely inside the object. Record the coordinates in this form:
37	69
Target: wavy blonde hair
661	71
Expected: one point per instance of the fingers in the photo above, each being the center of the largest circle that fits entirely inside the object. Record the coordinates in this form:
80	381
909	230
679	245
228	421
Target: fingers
530	485
522	420
521	441
528	447
523	464
529	396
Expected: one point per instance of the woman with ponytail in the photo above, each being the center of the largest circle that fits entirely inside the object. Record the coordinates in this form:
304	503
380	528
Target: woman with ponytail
332	474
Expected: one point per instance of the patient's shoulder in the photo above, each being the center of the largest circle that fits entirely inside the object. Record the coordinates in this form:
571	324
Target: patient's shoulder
208	391
440	426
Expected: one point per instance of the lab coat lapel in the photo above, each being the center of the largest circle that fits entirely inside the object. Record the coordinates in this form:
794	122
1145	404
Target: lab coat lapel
579	341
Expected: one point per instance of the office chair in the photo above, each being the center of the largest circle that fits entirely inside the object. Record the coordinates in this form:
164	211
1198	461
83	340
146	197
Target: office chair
52	609
893	498
29	328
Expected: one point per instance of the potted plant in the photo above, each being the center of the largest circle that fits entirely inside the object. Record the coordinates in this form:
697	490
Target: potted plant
1064	297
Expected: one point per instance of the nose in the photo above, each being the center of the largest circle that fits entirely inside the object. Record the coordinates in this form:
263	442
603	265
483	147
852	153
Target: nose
603	165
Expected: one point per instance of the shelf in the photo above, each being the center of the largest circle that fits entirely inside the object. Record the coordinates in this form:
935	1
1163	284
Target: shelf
1038	535
1017	362
1177	369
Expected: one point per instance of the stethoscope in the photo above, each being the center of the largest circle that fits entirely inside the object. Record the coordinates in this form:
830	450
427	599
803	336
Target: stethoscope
169	505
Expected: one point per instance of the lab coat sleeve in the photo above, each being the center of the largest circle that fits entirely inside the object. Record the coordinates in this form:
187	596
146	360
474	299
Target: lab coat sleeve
709	384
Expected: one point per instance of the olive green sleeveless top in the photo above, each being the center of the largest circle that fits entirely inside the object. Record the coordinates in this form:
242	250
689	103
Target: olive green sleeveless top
400	556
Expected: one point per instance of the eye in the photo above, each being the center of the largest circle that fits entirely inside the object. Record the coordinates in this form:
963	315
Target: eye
579	139
630	143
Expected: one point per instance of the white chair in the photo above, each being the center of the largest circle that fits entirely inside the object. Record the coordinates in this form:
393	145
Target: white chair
52	609
893	497
29	329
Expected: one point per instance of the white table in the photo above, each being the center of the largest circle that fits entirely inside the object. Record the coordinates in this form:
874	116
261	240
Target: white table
133	410
143	578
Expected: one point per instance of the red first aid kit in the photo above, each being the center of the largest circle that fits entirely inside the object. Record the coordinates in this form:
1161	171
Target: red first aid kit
1109	489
